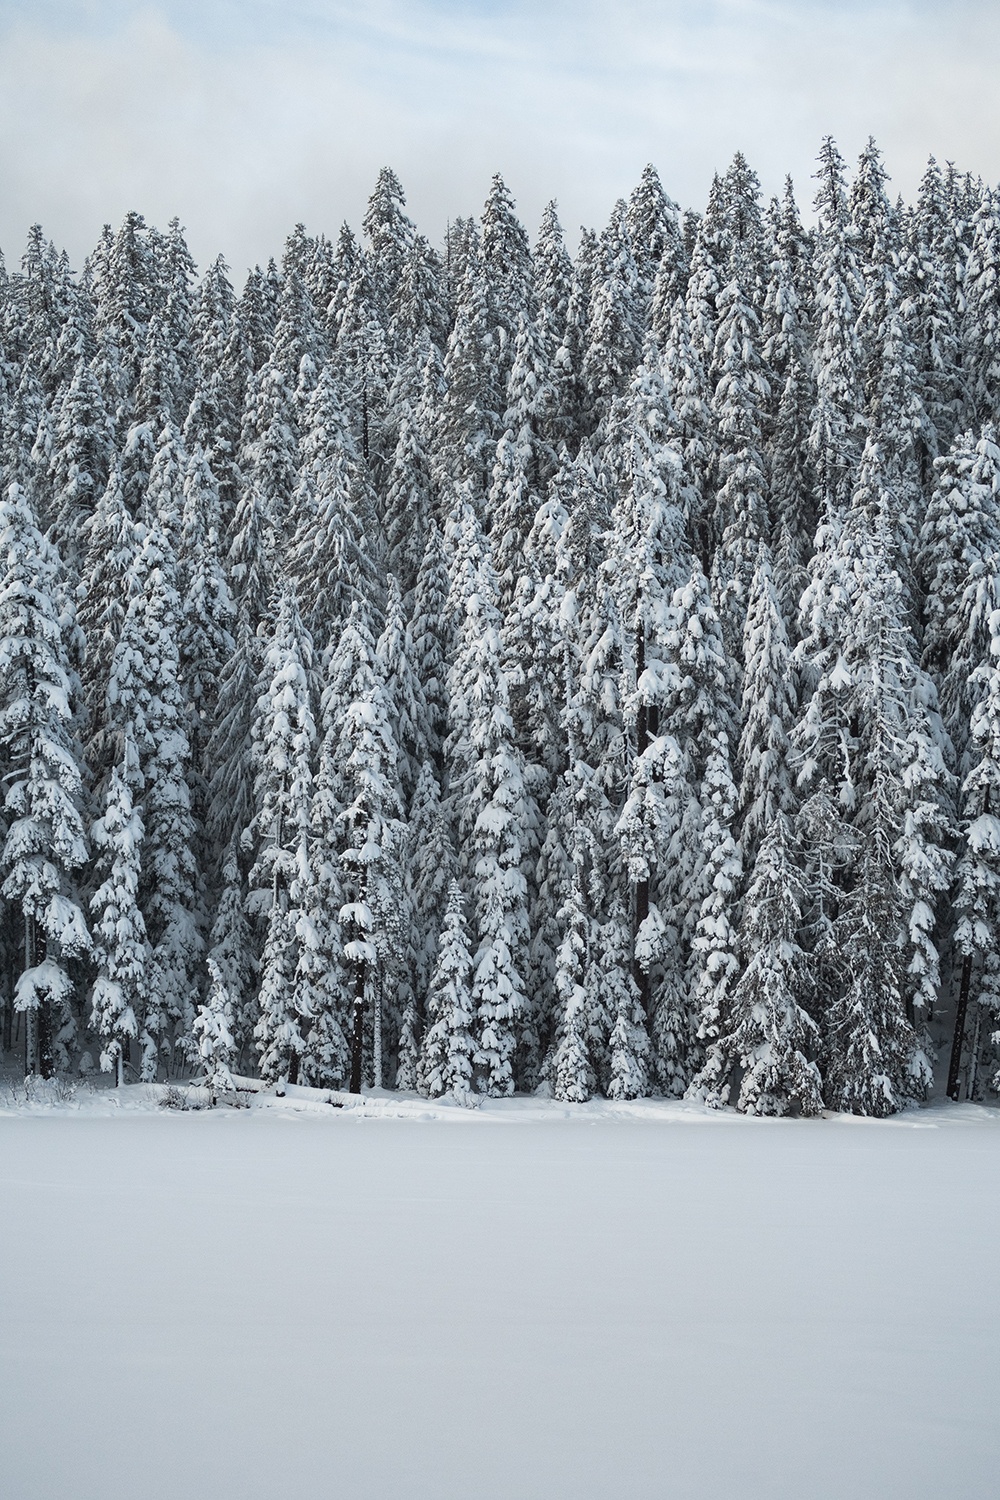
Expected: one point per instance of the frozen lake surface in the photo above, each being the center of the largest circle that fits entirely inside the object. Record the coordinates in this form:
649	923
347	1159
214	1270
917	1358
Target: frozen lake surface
525	1304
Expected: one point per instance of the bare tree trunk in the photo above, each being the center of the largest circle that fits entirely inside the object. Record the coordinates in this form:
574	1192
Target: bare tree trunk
970	1080
641	893
957	1041
30	1028
377	1039
358	1037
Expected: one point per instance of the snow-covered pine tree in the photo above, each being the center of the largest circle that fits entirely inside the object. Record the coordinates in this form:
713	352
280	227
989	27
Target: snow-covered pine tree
958	567
359	764
714	944
981	323
741	395
787	358
211	422
487	780
509	277
389	233
331	553
404	695
929	282
567	362
276	401
205	639
212	1031
80	461
428	643
614	333
409	503
523	460
700	870
693	426
143	699
611	978
45	841
429	868
838	416
365	369
121	948
468	414
769	709
770	1035
448	1050
868	736
553	285
647	549
573	1075
284	735
655	231
977	885
707	275
231	947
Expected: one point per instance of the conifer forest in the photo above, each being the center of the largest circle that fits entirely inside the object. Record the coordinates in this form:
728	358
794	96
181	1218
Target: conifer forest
485	668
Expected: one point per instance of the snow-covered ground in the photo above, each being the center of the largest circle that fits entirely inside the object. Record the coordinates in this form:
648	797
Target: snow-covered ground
530	1300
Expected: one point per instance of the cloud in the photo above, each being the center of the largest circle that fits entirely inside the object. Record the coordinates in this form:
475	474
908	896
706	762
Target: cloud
244	118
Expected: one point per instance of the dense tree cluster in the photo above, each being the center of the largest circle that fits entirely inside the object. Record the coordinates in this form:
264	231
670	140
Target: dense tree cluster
490	669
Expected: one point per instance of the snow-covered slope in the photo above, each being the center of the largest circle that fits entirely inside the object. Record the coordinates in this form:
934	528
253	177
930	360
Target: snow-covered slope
287	1302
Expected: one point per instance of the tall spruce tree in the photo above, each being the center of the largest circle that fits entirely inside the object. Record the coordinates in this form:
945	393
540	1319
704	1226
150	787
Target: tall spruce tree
45	842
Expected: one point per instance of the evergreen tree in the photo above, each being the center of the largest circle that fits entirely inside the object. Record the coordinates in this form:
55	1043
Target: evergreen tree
363	767
709	261
611	977
572	1072
389	233
487	778
977	895
121	948
958	562
45	842
213	1033
769	709
143	699
448	1050
981	324
655	232
772	1035
509	274
284	735
553	270
838	413
614	338
741	395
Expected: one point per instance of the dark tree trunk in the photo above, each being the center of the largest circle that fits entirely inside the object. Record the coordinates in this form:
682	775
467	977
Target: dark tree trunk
30	1017
45	1037
973	1069
957	1042
358	1037
8	1020
641	894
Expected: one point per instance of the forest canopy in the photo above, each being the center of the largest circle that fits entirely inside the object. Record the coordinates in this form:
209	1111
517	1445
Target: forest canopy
480	668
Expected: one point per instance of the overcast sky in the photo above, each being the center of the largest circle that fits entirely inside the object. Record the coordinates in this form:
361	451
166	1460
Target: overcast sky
243	118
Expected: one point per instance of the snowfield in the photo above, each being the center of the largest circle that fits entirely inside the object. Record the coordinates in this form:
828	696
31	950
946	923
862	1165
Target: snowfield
529	1301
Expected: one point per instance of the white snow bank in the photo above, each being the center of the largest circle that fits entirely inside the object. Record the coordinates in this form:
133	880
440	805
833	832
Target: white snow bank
274	1303
101	1098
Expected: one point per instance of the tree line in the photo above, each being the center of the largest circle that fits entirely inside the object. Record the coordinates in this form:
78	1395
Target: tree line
485	668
